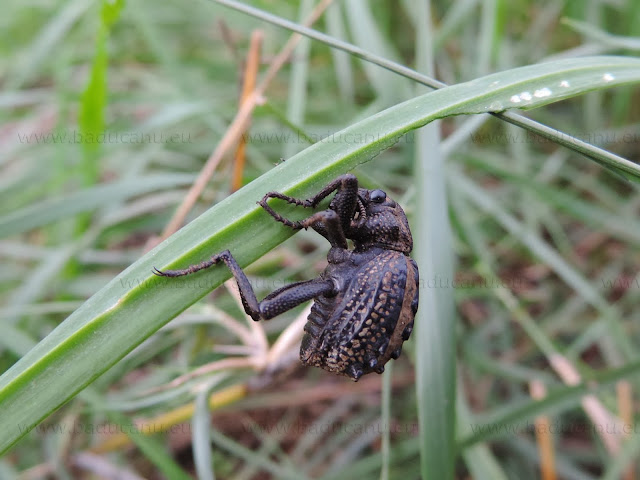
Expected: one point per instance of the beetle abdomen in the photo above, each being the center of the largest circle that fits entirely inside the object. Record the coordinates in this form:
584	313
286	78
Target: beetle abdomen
357	331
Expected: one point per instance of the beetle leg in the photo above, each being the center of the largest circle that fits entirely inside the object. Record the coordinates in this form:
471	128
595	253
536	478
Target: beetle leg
274	304
247	295
344	203
327	224
292	295
343	182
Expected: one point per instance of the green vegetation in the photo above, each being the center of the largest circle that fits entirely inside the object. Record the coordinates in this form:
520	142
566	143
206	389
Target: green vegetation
519	179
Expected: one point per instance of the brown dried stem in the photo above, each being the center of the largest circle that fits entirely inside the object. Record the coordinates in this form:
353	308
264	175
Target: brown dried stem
248	85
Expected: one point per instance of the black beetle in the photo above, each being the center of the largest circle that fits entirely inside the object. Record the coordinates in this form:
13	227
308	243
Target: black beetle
365	300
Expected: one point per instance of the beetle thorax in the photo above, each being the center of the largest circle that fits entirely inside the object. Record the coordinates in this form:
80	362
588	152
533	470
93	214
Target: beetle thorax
381	222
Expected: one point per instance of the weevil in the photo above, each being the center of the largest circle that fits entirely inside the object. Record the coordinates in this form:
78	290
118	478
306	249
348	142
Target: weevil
366	299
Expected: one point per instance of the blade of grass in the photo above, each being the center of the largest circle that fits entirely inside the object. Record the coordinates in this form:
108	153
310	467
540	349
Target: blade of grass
37	282
624	392
595	410
599	155
365	31
101	332
298	81
311	450
151	448
15	340
614	41
567	468
55	209
164	421
47	41
251	457
458	13
479	459
435	320
550	257
486	37
341	60
386	422
401	452
201	425
628	454
94	98
585	211
516	415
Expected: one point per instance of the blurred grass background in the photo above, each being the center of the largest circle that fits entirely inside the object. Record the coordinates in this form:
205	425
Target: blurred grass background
545	241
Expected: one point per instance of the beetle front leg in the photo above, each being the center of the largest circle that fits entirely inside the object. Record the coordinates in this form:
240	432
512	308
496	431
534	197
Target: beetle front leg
327	223
345	201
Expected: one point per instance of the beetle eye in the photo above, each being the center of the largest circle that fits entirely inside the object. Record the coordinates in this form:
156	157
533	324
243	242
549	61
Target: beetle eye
377	196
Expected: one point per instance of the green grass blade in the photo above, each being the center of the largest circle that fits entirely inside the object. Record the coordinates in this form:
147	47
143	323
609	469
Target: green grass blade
94	97
264	463
47	41
458	12
591	213
201	425
341	60
478	458
135	303
15	340
551	257
55	209
365	31
514	416
435	321
37	282
601	156
152	449
385	408
298	82
614	41
626	458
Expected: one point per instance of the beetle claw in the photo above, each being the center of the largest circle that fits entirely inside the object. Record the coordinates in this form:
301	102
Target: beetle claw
355	371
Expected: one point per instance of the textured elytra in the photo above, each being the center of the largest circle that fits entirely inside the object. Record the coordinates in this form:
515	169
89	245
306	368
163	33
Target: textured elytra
367	297
352	333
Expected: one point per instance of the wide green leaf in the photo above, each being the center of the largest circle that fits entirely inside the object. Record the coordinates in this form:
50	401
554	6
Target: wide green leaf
135	303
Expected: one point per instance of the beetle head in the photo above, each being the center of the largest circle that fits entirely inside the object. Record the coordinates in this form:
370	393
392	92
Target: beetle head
380	221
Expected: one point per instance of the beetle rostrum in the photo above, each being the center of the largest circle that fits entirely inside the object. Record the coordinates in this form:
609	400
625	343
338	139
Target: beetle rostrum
366	299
